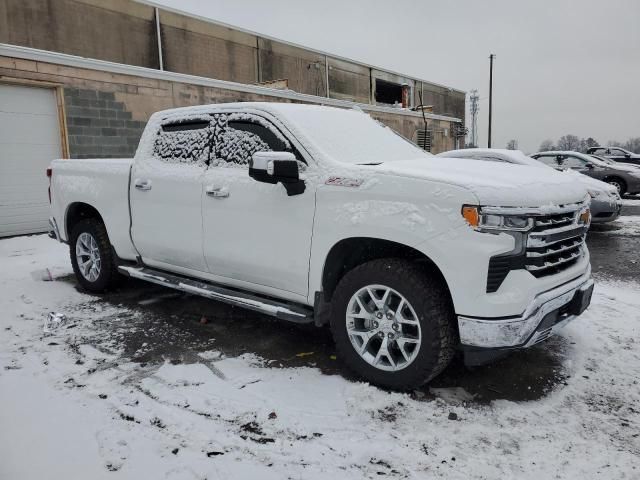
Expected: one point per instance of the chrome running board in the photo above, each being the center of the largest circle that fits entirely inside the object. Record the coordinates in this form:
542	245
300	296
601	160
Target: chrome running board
285	311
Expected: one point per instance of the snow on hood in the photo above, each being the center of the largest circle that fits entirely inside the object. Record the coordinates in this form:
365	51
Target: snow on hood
495	184
589	182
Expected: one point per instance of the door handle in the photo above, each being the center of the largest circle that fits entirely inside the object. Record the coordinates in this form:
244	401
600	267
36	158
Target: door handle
217	192
142	184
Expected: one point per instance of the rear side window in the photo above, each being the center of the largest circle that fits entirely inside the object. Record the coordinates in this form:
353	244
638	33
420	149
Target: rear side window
187	141
240	135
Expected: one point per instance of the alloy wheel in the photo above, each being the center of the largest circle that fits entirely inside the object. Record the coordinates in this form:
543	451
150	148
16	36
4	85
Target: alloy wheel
383	327
88	256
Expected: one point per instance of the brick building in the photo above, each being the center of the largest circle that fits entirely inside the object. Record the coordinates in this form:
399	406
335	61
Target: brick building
79	78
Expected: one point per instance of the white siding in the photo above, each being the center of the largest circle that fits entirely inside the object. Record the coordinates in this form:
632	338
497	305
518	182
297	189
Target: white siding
29	140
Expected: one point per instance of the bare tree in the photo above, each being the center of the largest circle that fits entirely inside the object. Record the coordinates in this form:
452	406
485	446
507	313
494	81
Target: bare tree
547	146
569	142
512	145
633	144
591	142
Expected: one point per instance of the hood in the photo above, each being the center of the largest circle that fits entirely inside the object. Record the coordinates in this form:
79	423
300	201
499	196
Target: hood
495	184
623	167
589	182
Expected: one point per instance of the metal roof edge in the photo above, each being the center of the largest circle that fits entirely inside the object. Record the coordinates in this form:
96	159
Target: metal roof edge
27	53
159	6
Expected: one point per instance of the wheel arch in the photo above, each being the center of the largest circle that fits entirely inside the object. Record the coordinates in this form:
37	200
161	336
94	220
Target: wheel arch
350	252
78	211
618	178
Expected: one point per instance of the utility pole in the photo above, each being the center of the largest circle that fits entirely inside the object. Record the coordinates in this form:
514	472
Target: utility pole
474	107
491	57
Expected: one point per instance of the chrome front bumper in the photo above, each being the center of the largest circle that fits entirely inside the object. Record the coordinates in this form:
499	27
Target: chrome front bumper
548	312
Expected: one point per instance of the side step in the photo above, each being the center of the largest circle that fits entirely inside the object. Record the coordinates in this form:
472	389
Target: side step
285	311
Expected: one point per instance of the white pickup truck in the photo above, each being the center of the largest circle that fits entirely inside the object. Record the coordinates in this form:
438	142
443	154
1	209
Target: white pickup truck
318	214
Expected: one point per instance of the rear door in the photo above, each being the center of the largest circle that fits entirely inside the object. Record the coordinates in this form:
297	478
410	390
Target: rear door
253	232
166	190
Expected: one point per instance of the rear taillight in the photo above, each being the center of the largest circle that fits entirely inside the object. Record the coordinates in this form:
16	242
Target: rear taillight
49	175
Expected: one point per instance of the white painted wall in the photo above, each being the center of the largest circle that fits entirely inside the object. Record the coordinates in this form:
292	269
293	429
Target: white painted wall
29	140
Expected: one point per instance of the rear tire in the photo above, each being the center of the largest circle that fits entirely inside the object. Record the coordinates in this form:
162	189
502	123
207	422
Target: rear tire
417	337
92	258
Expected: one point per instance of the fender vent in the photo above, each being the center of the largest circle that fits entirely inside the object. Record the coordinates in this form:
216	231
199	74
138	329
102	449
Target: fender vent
498	270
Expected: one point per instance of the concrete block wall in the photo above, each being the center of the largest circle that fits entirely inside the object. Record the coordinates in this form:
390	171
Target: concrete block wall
98	125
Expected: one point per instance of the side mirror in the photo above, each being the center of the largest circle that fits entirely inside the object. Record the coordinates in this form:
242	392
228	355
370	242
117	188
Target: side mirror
274	167
590	166
627	155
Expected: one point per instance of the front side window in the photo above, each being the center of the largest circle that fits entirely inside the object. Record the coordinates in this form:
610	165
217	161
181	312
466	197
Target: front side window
573	162
551	160
616	152
240	135
186	141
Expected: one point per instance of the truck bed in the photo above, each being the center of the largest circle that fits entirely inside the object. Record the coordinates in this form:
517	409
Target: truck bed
101	183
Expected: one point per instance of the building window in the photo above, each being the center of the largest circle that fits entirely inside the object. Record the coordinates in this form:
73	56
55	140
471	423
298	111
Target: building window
388	92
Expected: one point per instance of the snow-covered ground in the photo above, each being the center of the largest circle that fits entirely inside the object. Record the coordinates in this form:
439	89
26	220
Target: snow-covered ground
631	201
74	404
628	225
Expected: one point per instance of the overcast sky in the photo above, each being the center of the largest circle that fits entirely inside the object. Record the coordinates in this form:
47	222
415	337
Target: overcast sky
562	66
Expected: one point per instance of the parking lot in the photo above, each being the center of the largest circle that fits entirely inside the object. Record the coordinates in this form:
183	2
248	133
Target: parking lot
149	380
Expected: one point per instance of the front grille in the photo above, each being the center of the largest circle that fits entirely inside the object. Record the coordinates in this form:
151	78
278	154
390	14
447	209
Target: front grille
555	243
547	222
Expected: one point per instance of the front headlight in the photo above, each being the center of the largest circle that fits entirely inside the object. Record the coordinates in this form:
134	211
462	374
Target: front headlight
596	193
481	221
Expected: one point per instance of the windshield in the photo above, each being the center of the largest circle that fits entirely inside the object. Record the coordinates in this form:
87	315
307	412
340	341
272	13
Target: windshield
351	136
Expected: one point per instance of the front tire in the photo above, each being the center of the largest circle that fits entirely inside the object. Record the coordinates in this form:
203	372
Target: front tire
393	324
620	185
92	258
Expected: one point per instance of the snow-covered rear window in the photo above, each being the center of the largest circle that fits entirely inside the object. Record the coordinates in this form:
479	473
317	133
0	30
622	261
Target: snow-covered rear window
187	141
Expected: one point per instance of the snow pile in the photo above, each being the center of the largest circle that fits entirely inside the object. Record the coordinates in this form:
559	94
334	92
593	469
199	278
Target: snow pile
76	405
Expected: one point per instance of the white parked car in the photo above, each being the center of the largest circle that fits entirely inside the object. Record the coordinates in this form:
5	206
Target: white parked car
318	214
605	199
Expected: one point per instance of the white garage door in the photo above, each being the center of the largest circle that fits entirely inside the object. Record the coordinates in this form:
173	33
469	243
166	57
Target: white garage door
29	140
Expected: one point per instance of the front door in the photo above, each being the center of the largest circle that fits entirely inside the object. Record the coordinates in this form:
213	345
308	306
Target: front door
166	190
253	232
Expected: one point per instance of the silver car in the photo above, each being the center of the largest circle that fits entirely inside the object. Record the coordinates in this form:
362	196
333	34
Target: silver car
605	199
